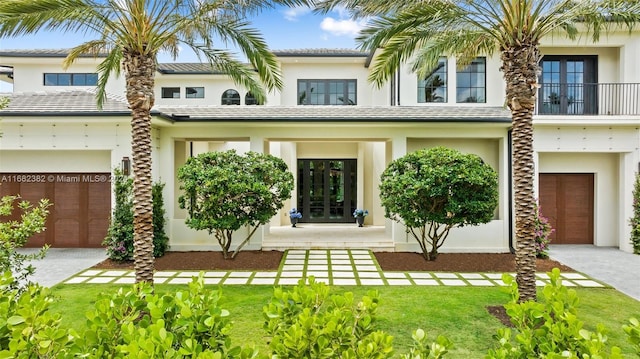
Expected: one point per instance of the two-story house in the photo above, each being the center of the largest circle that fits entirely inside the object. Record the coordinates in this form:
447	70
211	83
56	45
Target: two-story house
336	132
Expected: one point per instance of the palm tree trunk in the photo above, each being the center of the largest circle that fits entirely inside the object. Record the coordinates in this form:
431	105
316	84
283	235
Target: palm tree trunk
139	75
521	69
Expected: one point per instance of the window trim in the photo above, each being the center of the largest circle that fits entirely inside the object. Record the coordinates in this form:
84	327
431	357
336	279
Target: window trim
71	76
327	94
186	92
163	94
234	98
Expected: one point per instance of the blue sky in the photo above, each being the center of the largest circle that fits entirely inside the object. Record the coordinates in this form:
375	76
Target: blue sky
282	28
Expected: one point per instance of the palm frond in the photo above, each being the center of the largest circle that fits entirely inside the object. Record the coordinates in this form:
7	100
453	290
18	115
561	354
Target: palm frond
110	65
28	17
241	74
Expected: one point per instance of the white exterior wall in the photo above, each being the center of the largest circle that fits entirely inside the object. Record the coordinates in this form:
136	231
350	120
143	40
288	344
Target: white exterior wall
611	154
28	74
367	94
495	85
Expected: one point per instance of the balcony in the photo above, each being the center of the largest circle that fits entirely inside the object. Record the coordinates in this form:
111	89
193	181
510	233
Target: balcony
590	99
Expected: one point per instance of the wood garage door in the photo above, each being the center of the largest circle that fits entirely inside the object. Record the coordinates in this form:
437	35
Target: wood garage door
79	216
567	200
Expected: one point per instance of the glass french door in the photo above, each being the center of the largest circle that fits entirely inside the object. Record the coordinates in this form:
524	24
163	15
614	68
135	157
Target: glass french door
569	85
327	190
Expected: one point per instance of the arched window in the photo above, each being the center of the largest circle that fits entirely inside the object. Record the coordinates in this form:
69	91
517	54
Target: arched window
231	97
249	99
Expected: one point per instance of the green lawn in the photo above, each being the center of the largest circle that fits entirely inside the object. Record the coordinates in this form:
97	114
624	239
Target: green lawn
456	312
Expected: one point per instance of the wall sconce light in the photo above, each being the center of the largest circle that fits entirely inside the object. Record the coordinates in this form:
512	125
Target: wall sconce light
125	166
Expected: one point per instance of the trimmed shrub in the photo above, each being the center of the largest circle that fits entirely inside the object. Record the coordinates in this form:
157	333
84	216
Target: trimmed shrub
435	190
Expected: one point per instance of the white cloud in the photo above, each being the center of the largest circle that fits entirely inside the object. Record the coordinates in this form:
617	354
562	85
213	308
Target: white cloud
292	14
341	27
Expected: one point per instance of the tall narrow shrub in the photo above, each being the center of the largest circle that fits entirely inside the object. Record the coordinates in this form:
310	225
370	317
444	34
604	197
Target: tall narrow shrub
635	220
119	240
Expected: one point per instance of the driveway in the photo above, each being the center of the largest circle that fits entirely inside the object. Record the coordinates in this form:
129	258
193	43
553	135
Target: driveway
608	264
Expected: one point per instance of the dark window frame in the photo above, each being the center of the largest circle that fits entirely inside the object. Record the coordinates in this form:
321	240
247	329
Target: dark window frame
164	92
187	94
432	88
230	97
70	79
250	100
566	97
469	71
348	87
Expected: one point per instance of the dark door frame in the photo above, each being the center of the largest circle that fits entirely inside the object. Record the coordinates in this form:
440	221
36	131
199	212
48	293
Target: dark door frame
332	212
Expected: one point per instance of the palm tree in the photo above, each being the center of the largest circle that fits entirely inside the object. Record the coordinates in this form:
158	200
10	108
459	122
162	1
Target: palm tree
424	30
130	34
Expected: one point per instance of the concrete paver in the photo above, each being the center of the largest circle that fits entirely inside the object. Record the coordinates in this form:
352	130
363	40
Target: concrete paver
348	267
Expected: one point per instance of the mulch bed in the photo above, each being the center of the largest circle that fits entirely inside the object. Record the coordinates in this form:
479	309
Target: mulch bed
389	261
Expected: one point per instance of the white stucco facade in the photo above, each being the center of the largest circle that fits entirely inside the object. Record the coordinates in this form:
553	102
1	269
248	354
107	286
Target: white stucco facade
39	137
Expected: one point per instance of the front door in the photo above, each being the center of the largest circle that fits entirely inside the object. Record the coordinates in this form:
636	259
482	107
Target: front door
327	190
566	199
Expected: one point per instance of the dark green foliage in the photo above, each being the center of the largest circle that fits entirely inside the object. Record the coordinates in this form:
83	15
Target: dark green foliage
14	234
224	191
119	240
635	220
434	190
160	239
550	328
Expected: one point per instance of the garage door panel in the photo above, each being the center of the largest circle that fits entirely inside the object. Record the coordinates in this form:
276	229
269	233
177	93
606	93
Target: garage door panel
567	200
81	205
67	234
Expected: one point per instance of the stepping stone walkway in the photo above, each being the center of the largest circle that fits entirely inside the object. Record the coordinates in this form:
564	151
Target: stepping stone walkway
340	267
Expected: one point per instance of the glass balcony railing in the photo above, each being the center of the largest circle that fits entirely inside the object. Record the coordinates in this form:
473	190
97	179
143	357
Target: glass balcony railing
589	99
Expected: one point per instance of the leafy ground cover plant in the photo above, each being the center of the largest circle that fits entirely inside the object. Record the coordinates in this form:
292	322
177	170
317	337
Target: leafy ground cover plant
14	234
224	191
307	322
550	328
434	190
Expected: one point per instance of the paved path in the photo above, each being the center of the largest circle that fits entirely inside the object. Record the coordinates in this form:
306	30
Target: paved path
334	266
62	263
610	265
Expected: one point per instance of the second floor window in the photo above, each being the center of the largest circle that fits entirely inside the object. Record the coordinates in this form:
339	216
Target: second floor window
70	79
194	92
171	92
249	99
231	97
327	92
470	84
434	87
568	85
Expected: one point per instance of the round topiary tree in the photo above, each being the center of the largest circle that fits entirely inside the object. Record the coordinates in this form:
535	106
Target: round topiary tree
224	191
434	190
